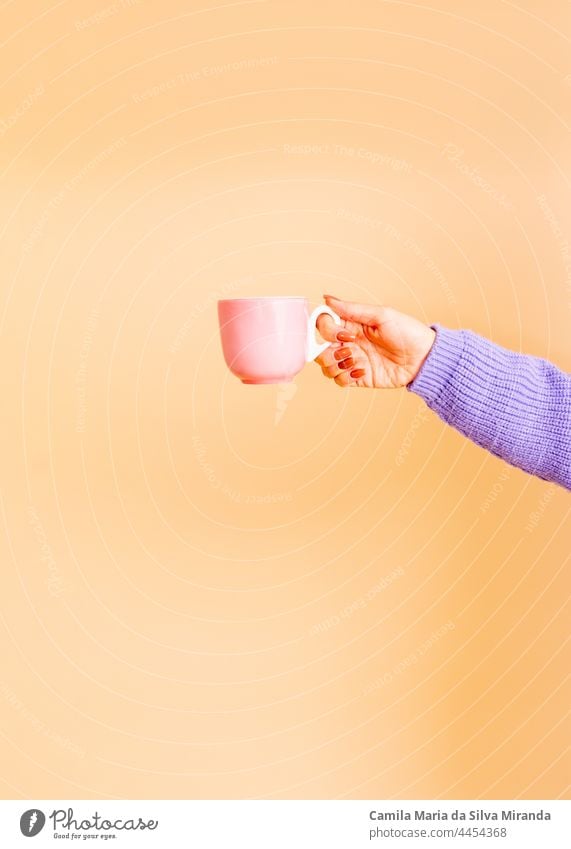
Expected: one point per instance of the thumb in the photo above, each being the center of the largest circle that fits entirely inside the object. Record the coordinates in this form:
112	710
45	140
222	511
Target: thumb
327	328
369	314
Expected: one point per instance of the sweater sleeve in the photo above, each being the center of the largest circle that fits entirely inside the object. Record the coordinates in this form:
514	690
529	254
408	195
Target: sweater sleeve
514	405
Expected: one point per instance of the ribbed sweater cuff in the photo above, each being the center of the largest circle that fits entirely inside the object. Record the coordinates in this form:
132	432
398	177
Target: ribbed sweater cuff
440	364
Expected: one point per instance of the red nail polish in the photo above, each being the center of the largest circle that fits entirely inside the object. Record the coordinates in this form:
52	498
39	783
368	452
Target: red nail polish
345	336
349	363
357	372
342	353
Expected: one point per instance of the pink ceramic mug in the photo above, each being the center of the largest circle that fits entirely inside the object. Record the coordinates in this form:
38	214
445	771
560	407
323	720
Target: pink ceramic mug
269	340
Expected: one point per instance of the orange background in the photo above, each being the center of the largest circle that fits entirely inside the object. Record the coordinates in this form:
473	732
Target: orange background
213	590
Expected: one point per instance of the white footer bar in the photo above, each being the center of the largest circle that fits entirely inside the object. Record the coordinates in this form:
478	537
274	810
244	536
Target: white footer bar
303	824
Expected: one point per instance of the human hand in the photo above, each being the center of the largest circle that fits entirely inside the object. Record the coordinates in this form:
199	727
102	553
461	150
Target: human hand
378	347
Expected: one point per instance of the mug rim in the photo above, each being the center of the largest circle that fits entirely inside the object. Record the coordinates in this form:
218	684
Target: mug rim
264	298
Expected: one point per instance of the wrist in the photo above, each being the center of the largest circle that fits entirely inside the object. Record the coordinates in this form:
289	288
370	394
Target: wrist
424	348
440	366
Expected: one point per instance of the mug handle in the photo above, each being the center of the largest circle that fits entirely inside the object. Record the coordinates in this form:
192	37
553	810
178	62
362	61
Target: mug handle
312	348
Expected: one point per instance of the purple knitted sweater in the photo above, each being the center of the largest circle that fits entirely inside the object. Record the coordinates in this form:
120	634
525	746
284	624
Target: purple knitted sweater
515	405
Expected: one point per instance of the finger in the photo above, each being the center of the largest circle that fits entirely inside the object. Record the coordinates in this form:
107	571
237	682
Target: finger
327	327
344	379
327	357
356	373
349	363
342	353
368	314
331	370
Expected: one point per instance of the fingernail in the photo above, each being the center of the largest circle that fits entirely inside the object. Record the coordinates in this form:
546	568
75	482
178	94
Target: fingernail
347	363
345	336
342	353
331	296
357	372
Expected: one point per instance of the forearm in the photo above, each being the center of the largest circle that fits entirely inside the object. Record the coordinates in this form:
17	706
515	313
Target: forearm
516	406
